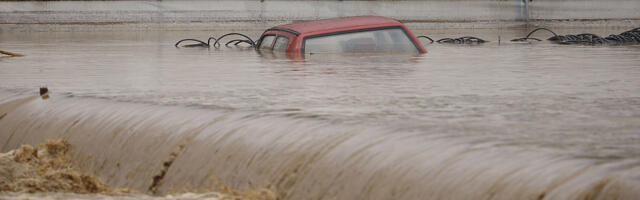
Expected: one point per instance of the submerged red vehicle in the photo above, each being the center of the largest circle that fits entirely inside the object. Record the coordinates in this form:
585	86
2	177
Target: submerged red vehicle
362	34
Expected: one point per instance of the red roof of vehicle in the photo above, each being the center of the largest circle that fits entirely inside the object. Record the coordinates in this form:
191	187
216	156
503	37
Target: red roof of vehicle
340	24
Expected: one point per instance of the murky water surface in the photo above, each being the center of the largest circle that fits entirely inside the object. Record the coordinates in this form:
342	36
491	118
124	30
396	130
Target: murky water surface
570	100
542	91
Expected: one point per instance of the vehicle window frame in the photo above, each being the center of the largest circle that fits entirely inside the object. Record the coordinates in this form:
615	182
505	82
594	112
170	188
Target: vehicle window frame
275	36
304	40
278	36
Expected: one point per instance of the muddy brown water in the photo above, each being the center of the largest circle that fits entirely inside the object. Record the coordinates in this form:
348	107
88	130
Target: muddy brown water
492	121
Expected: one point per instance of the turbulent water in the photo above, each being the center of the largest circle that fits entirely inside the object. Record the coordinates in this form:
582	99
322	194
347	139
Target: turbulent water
47	172
493	121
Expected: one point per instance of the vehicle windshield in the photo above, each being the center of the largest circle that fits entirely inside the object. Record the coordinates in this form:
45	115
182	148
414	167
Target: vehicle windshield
393	40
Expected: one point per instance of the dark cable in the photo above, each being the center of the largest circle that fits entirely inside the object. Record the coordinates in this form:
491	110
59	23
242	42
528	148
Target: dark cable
216	44
216	41
199	44
528	37
237	42
422	36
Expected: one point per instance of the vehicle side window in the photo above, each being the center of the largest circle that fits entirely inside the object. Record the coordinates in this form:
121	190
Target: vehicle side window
266	42
281	44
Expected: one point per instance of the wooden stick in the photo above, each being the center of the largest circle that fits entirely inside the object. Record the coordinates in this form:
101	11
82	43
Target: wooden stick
10	53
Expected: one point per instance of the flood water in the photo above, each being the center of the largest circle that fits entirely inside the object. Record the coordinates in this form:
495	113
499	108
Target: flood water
493	121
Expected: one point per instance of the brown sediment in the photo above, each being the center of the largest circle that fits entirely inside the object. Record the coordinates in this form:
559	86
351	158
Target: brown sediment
157	179
46	168
261	194
222	192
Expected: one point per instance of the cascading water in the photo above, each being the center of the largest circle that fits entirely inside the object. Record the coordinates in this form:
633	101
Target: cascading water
171	148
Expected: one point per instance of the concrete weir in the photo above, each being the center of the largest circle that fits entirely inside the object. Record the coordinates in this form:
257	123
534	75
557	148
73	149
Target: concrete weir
255	14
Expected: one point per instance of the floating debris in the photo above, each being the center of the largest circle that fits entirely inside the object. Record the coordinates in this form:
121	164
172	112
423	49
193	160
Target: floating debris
628	37
462	40
10	53
44	92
